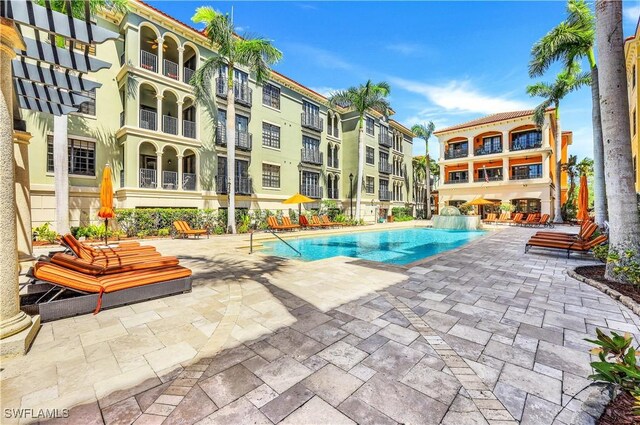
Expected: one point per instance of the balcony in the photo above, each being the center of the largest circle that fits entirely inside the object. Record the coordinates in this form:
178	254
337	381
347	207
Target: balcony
525	146
312	121
187	73
243	138
384	195
170	69
384	167
456	153
189	129
170	180
148	178
311	156
243	185
148	61
189	181
148	119
457	181
243	94
169	124
525	176
385	140
480	179
312	191
485	151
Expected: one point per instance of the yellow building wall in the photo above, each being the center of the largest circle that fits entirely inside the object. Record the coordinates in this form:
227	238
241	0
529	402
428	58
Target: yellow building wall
632	56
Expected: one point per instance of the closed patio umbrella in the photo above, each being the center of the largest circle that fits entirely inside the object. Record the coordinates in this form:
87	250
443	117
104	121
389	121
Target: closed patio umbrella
298	199
106	199
583	199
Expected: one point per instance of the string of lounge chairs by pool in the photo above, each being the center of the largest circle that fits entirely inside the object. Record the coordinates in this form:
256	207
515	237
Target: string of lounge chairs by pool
533	219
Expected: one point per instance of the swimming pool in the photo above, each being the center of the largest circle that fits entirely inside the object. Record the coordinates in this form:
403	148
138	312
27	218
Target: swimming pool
389	246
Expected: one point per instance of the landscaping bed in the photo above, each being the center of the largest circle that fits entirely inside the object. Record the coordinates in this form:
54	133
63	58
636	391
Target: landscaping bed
597	273
619	411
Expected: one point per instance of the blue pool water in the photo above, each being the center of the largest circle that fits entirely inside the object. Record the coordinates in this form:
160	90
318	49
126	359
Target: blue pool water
390	246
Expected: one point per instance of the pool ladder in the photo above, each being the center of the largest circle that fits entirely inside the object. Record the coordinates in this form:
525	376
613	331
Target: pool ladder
274	234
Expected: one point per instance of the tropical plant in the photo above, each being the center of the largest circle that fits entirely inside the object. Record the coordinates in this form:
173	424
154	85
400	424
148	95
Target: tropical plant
45	233
571	168
617	360
625	266
424	132
568	80
570	41
419	166
255	53
624	220
365	97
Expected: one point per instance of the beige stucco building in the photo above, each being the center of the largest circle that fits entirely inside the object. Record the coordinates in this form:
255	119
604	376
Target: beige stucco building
632	56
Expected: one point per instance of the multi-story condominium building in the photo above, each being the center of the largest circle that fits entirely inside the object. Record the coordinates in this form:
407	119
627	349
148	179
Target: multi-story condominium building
170	151
503	158
632	55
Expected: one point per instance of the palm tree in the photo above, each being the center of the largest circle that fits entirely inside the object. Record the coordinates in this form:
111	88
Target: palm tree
419	166
624	220
255	53
60	136
570	41
567	81
571	168
424	132
368	96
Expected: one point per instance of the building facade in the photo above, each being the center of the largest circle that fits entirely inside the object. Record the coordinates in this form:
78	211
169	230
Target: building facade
632	56
503	158
167	150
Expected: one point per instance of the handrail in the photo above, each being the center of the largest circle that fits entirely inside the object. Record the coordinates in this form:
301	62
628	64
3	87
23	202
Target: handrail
274	234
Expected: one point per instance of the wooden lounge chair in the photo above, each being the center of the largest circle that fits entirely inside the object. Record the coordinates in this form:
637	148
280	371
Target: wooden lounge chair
304	222
92	254
316	220
53	284
491	218
504	218
586	231
286	221
543	221
531	220
516	219
184	230
325	220
127	264
273	224
569	246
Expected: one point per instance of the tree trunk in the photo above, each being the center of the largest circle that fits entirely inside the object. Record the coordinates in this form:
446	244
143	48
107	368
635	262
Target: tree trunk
557	202
231	153
61	173
599	189
624	221
427	201
360	170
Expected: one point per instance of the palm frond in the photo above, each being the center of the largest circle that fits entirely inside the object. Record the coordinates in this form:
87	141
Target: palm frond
540	111
342	98
217	28
557	44
580	14
258	54
540	89
201	79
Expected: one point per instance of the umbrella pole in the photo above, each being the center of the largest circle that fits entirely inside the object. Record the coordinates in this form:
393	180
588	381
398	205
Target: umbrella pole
106	224
299	212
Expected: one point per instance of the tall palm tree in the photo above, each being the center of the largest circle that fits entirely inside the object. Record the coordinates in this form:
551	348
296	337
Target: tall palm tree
567	81
571	168
255	53
419	167
368	96
570	41
424	132
624	221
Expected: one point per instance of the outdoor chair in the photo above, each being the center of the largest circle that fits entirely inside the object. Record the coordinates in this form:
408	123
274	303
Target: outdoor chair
304	222
114	266
569	246
531	220
184	230
543	221
316	220
491	218
92	254
504	218
286	221
273	224
517	219
586	232
325	220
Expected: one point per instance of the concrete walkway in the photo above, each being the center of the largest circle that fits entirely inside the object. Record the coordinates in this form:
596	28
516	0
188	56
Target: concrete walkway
483	334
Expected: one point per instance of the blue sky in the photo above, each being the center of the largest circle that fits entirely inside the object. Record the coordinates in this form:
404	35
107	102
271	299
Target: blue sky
448	62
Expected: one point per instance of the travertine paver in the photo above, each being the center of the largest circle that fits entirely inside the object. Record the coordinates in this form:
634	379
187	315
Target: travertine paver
484	334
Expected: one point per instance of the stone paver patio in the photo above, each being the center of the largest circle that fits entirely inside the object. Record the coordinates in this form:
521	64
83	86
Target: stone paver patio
483	334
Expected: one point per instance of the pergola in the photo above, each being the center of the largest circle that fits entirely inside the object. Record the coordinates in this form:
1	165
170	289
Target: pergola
44	61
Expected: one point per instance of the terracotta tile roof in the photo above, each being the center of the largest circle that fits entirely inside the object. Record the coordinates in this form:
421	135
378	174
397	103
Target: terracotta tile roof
501	116
166	15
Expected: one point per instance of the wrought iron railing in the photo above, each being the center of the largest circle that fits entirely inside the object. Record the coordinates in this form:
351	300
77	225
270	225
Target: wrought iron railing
333	193
490	178
243	140
312	191
170	69
384	195
187	73
525	176
456	153
311	156
384	167
148	119
487	151
243	94
189	181
525	145
312	121
385	140
243	185
333	162
170	180
189	129
148	178
465	180
169	124
148	61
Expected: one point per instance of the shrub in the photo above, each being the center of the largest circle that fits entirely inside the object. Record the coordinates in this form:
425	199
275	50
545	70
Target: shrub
625	265
506	207
601	252
164	232
45	233
340	218
617	360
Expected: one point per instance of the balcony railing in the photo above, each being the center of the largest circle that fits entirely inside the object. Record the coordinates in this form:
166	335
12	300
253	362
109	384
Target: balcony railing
456	153
312	121
384	195
170	69
187	73
189	129
243	185
526	176
148	178
485	151
243	94
312	191
457	181
524	146
490	178
148	61
189	181
169	124
311	156
332	162
384	167
333	193
385	140
148	119
243	140
170	180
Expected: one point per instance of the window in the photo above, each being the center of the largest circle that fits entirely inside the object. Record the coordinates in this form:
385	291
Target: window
310	144
526	140
459	176
384	185
370	126
635	122
89	107
526	205
490	174
491	144
270	176
384	157
633	76
369	186
529	171
82	157
370	157
271	96
270	135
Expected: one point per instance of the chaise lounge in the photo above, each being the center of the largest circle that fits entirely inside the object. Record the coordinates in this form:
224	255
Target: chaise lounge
106	253
184	230
569	246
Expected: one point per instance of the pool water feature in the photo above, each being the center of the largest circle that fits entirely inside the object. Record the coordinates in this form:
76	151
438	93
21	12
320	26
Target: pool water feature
388	246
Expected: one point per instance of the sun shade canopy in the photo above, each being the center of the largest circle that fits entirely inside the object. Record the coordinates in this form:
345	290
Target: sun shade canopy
298	199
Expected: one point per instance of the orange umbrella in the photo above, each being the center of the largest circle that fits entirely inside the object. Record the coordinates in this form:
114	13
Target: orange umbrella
583	199
106	199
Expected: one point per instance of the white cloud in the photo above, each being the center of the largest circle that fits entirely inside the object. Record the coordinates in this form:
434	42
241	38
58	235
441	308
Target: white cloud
631	13
461	96
321	57
324	90
404	48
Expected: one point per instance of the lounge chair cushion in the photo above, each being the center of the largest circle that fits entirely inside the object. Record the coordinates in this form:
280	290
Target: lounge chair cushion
113	266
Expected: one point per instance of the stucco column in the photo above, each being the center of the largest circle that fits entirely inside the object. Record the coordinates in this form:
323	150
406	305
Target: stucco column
180	103
470	171
160	55
17	330
159	184
23	197
505	169
180	63
546	173
159	98
443	177
179	172
505	141
470	147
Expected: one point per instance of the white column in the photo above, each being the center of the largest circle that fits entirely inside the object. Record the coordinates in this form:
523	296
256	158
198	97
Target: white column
441	152
180	64
160	55
546	173
470	147
159	170
180	172
470	171
505	169
505	141
180	103
442	174
159	98
546	132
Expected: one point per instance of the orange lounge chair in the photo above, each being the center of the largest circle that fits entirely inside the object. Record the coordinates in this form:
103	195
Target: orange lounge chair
93	254
325	220
577	246
516	219
127	264
316	220
286	221
491	218
586	231
543	221
304	222
531	220
273	224
504	218
184	230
